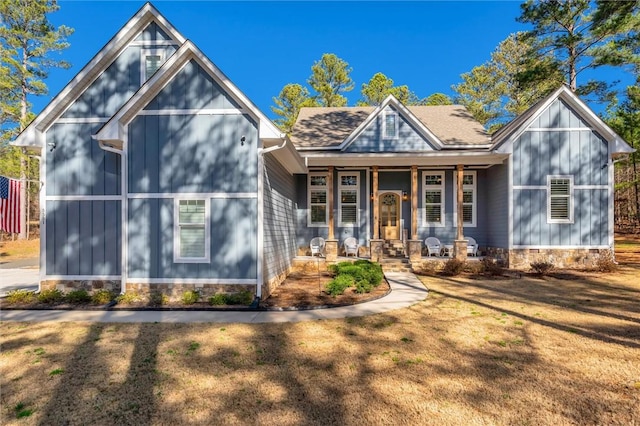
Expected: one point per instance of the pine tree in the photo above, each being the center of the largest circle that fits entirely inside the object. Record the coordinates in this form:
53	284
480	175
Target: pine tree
330	77
28	39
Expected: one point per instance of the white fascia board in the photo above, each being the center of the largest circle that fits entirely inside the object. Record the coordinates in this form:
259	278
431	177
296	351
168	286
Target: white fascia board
91	71
404	111
162	77
400	159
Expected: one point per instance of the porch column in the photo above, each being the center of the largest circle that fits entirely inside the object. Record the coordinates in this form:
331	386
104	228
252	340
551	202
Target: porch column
376	242
460	244
331	245
415	245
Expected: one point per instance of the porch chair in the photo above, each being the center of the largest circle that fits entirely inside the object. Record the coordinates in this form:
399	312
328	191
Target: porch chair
433	246
317	246
351	246
472	247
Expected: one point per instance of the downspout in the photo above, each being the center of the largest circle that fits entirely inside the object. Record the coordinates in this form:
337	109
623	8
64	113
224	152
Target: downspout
123	214
261	171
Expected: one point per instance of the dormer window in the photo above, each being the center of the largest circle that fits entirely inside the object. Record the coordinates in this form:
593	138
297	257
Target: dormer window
389	125
150	61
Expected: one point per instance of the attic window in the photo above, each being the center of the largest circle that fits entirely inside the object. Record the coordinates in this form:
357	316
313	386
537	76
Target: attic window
389	125
151	60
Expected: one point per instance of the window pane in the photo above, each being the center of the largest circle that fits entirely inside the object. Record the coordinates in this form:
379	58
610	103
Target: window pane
191	212
318	181
433	197
349	196
560	208
467	179
559	186
318	214
349	213
433	213
192	241
152	63
390	125
318	197
433	180
467	214
467	196
350	180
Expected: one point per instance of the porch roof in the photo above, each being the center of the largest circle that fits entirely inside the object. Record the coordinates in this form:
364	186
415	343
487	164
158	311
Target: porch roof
438	158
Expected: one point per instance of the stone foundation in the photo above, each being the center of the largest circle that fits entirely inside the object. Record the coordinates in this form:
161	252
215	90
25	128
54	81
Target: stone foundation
175	291
90	286
560	258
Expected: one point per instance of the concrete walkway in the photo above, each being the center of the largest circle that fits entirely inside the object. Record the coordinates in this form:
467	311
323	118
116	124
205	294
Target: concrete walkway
15	279
406	290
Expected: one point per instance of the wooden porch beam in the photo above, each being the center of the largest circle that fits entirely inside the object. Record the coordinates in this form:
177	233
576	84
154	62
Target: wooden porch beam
414	202
331	235
459	207
376	210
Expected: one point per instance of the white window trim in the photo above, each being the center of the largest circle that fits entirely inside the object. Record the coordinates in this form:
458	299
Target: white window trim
571	198
384	125
424	203
474	208
309	188
350	188
176	232
143	62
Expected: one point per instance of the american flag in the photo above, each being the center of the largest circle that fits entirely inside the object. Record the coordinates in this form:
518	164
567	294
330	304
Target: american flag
9	205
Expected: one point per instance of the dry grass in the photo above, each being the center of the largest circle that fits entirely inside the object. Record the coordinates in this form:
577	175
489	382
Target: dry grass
522	351
19	249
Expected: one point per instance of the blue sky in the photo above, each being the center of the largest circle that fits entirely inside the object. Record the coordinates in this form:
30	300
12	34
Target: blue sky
261	46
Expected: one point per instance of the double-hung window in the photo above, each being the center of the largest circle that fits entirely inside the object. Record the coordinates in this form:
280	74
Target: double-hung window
559	199
469	199
348	188
389	125
317	191
433	198
150	61
191	231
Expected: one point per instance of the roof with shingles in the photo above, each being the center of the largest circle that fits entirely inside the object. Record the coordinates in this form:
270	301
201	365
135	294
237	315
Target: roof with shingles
323	127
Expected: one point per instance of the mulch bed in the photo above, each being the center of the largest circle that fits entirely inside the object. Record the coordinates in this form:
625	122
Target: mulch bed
300	291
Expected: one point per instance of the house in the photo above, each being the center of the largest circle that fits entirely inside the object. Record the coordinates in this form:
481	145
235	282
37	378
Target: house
160	174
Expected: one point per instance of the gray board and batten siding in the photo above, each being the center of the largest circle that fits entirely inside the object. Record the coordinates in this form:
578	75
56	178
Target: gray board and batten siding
83	237
372	140
185	152
558	142
280	208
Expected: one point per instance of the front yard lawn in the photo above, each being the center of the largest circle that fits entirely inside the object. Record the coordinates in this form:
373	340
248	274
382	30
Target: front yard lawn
544	350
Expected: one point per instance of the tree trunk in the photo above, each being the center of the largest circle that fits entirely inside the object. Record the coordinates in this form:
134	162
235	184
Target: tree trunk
23	155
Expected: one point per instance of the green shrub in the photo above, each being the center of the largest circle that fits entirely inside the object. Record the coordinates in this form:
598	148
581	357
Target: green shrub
102	296
190	297
77	296
364	286
20	296
157	298
129	297
50	296
541	268
453	267
240	298
339	284
218	299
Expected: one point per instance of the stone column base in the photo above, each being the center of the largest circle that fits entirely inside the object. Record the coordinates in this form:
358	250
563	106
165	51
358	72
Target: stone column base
331	250
460	250
415	251
376	250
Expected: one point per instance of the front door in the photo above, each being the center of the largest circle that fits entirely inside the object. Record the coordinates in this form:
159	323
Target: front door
390	215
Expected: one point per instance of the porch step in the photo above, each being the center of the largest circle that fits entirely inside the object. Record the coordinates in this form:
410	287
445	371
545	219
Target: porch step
393	248
395	264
